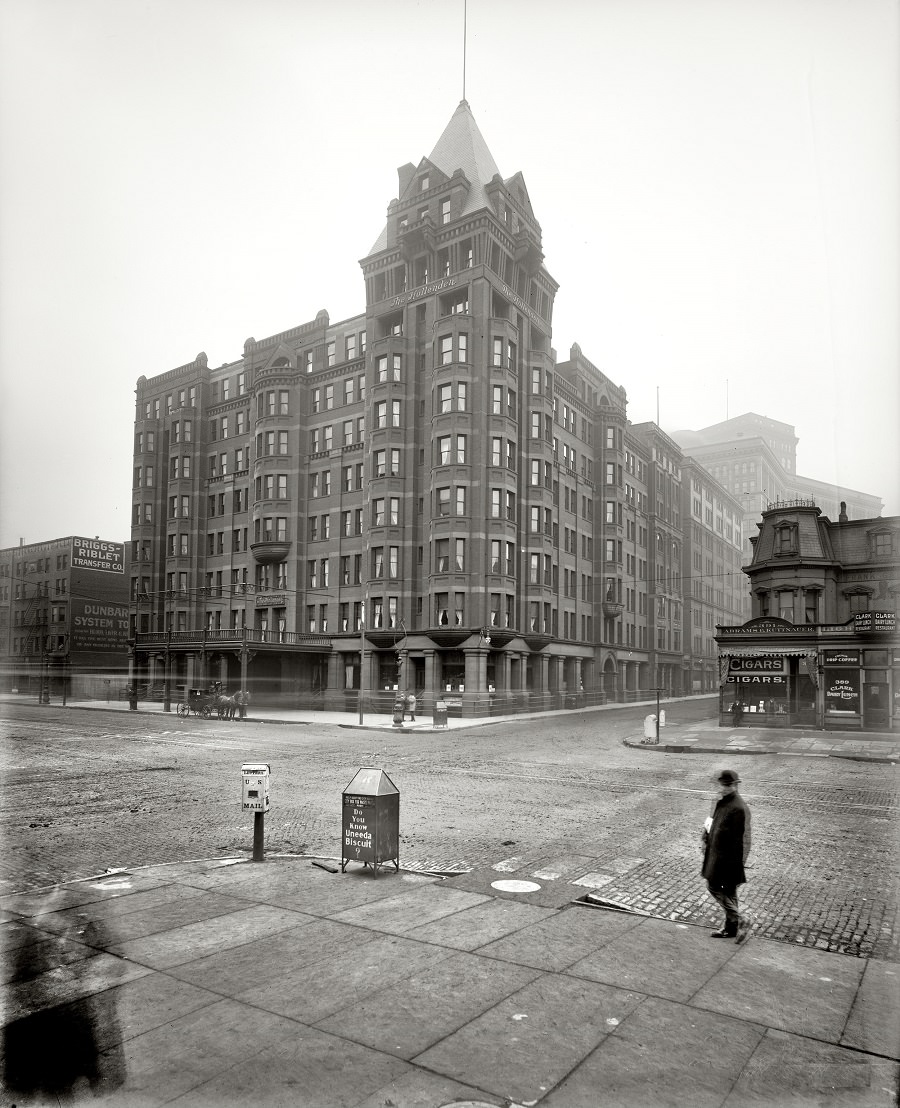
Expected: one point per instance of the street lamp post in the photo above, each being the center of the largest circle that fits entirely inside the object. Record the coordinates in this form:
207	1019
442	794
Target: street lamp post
167	694
362	663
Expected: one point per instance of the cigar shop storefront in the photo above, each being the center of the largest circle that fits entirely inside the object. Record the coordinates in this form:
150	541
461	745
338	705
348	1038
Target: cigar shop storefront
832	677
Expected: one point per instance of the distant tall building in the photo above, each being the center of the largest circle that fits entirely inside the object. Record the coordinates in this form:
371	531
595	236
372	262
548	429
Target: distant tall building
64	616
715	587
419	496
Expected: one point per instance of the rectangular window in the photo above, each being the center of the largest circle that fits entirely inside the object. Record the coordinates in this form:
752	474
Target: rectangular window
495	556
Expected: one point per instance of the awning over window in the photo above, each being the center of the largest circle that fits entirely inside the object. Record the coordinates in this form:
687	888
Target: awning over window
808	654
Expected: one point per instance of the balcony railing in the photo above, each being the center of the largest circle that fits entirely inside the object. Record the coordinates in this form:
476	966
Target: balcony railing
228	636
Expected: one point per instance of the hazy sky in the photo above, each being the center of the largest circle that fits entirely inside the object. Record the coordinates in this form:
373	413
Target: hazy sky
716	181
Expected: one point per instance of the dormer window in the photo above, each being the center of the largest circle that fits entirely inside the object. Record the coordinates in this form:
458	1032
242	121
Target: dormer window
881	544
786	538
445	211
423	182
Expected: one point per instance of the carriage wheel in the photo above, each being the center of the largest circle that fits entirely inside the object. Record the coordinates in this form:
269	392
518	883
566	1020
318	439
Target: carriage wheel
184	709
206	711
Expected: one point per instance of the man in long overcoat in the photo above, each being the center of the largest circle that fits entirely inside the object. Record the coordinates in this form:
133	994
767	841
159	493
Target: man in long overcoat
726	845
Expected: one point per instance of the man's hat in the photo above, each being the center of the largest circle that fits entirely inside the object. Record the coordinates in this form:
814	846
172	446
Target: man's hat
728	777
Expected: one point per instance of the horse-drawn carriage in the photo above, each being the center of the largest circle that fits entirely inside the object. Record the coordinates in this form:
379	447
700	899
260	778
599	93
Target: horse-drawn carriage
199	703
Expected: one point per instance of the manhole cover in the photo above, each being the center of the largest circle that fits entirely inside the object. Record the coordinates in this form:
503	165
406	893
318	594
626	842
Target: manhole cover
515	886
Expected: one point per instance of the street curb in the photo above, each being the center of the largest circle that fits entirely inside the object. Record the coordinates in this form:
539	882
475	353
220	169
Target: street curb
672	748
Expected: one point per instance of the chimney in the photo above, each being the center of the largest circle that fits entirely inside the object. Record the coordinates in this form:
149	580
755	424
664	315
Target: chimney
843	517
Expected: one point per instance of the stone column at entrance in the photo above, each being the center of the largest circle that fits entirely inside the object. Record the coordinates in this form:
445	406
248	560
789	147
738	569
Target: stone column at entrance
518	680
542	682
432	689
155	671
502	688
194	671
335	683
557	676
475	698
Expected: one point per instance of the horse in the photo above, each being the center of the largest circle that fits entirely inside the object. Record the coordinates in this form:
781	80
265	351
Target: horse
225	706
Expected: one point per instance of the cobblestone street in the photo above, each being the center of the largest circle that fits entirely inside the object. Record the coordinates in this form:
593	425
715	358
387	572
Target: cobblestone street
89	791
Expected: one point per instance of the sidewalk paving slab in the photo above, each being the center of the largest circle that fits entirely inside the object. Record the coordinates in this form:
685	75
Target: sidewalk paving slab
874	1021
414	1014
262	963
559	941
663	1054
398	914
792	988
474	927
184	943
789	1070
529	1042
309	993
669	960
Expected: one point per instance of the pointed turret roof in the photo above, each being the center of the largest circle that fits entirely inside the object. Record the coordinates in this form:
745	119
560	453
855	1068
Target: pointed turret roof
462	146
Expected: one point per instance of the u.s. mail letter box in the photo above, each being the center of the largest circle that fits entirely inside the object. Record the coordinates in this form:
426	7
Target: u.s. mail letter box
255	786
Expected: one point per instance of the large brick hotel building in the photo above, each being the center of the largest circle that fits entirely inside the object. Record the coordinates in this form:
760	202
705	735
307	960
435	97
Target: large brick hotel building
419	497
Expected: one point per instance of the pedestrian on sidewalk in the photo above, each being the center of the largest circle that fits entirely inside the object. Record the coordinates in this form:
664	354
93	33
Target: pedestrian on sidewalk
725	843
411	706
245	702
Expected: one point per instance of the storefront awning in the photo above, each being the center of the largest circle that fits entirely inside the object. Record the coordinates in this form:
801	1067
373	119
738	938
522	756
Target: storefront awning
769	652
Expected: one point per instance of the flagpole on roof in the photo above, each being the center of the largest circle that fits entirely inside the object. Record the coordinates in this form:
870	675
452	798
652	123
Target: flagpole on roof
465	2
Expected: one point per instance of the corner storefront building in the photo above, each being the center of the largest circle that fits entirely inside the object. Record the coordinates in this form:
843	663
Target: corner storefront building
821	650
